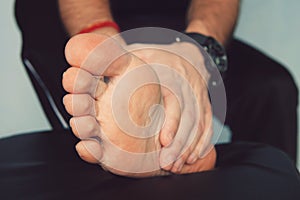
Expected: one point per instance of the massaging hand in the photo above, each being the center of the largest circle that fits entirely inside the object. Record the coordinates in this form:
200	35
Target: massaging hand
187	119
183	143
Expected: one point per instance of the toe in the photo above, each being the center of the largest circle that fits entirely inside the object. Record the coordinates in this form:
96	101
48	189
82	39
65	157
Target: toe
173	113
97	54
85	127
89	151
80	46
184	139
79	104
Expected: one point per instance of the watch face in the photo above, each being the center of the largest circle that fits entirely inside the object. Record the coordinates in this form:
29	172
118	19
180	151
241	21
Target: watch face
218	55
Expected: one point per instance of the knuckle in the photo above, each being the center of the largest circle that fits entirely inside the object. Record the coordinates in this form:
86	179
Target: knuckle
169	128
91	128
86	104
186	152
201	126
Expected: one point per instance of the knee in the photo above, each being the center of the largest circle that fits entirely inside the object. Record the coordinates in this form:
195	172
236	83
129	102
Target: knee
255	154
273	158
280	84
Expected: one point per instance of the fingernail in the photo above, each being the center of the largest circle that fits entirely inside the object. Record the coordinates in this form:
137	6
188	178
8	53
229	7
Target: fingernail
192	159
167	160
170	159
180	167
177	166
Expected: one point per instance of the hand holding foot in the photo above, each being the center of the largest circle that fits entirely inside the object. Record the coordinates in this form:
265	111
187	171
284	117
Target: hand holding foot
90	102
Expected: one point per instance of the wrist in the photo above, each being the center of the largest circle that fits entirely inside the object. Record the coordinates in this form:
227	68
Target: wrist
109	31
108	28
198	26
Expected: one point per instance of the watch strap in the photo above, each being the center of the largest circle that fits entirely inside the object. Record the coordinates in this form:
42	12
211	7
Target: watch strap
213	48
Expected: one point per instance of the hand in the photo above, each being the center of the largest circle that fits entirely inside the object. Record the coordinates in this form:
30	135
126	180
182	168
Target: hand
182	148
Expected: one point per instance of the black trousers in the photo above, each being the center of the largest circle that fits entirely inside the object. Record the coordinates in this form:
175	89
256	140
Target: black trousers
262	99
45	166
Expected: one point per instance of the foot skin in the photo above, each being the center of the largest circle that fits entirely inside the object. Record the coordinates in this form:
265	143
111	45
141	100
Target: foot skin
108	116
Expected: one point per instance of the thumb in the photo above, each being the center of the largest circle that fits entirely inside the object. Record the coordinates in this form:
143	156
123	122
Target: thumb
97	54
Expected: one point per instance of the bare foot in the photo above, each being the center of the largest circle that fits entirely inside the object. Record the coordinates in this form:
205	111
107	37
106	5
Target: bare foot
119	130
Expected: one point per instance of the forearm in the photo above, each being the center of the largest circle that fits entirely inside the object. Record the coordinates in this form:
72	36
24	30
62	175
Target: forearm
216	18
78	14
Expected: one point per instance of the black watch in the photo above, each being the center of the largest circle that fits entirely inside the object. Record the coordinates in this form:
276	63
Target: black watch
213	48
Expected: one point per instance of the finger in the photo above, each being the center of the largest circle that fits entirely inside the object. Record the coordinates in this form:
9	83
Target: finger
202	148
177	166
89	151
172	120
79	104
85	127
170	153
97	54
203	164
193	141
79	81
204	142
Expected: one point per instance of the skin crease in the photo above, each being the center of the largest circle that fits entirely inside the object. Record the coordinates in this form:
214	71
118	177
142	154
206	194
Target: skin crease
139	105
203	16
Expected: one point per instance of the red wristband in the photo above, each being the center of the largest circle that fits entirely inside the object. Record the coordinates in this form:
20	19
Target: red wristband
98	25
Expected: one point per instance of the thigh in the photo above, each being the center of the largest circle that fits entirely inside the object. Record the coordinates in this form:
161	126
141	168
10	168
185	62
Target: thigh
45	166
262	99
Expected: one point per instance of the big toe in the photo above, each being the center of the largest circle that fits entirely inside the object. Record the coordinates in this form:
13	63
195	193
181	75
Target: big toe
97	54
